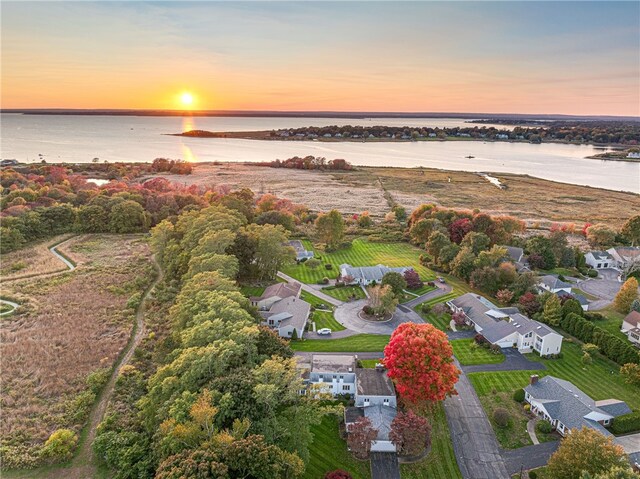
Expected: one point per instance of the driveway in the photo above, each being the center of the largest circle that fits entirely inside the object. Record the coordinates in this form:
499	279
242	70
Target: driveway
513	361
384	465
474	441
528	457
305	287
604	287
308	355
441	291
347	315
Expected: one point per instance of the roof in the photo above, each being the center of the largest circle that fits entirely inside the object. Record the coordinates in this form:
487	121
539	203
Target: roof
280	290
633	318
553	282
578	297
293	311
333	363
381	418
572	407
626	253
600	255
351	414
370	273
374	382
298	246
497	323
515	253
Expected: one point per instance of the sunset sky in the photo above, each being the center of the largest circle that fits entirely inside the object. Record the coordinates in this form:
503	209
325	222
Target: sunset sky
508	57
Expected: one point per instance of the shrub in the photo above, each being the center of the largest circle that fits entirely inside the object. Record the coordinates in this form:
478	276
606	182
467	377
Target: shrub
367	310
480	339
501	417
592	273
338	474
527	407
324	280
495	349
626	423
425	308
60	445
518	395
544	427
533	475
312	263
328	266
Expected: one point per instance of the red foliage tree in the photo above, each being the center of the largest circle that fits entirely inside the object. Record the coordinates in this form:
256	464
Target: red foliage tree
528	302
410	433
458	318
419	359
359	438
338	474
459	229
413	279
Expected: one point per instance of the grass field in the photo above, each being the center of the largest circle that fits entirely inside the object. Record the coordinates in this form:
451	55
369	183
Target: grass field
467	355
360	253
249	291
315	301
441	461
369	363
359	343
612	323
325	319
344	293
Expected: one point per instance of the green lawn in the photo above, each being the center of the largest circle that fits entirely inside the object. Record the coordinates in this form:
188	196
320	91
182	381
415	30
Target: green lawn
315	301
249	291
612	323
467	355
369	363
420	291
600	380
441	461
328	452
585	294
360	253
344	293
325	319
358	343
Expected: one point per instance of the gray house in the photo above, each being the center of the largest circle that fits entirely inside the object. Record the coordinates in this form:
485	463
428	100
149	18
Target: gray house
599	259
553	284
287	315
333	373
301	252
566	407
274	293
365	275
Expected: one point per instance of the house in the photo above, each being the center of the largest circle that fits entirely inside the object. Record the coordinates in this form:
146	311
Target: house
624	256
274	293
633	154
333	373
584	302
553	284
599	259
566	407
631	327
517	256
301	252
365	275
502	136
8	162
287	315
506	327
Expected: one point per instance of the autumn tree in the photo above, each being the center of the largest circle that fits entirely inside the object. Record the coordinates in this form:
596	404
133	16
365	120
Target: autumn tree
419	359
459	229
382	300
364	220
627	294
552	313
631	230
338	474
600	236
359	437
463	264
585	450
396	281
630	372
410	433
504	296
529	304
413	279
60	445
330	228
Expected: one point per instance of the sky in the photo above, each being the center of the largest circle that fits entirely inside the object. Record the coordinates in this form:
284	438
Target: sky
580	58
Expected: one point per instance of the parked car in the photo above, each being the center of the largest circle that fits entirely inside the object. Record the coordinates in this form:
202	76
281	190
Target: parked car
441	279
324	331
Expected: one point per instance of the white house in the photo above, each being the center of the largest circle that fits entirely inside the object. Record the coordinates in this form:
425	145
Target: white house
365	275
633	154
631	327
566	407
553	284
506	327
599	259
274	293
287	315
334	373
623	256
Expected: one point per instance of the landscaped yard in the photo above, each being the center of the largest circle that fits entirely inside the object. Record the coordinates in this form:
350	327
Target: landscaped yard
360	253
249	291
315	301
357	343
612	323
325	319
468	355
328	451
344	293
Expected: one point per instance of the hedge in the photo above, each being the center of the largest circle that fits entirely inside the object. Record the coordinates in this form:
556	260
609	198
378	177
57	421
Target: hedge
611	346
626	423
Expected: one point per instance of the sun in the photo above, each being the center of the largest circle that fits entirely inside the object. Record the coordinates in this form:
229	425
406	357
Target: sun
186	99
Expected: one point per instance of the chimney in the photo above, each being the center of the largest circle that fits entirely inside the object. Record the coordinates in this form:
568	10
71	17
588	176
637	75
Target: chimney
534	379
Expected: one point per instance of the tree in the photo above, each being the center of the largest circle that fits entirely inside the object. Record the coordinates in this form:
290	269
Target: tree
437	241
338	474
463	264
477	242
312	263
617	472
193	464
92	219
413	279
529	303
585	450
571	306
590	348
271	249
504	296
330	228
635	305
364	220
60	445
552	313
254	457
419	359
359	437
631	230
631	373
541	254
627	294
600	236
396	281
382	300
459	229
127	217
410	433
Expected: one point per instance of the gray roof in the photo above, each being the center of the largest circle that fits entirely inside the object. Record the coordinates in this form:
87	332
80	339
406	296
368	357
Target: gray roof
581	299
515	253
294	311
381	418
552	282
568	404
351	414
370	273
374	382
497	323
601	255
333	363
627	253
280	290
301	251
615	407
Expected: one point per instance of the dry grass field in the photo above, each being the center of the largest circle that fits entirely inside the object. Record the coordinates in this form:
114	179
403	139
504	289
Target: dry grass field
74	324
36	260
531	199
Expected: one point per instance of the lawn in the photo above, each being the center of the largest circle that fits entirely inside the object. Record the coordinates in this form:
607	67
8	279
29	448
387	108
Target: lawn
328	451
360	253
359	343
325	319
467	355
612	323
441	461
344	293
369	363
249	291
315	301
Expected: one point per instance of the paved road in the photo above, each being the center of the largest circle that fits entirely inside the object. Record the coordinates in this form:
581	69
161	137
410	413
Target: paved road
308	354
529	457
441	291
347	315
605	287
323	296
474	441
513	361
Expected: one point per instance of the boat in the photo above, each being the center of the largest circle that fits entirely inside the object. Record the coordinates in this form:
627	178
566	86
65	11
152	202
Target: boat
470	156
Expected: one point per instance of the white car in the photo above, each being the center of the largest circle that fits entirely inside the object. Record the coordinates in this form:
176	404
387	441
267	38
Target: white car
324	331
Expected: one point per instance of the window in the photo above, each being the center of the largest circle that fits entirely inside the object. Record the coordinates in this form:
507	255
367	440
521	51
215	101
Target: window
366	401
599	265
346	387
341	377
386	402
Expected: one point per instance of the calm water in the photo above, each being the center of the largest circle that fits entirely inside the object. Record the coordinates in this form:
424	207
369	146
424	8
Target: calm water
125	138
